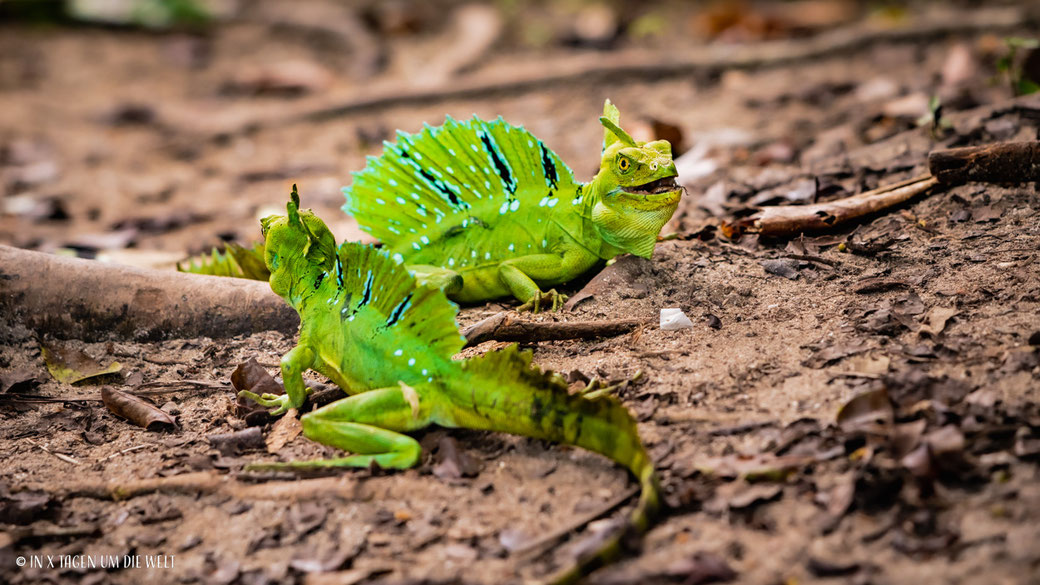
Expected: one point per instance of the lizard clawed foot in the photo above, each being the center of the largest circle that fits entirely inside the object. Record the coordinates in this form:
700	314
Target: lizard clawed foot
541	300
279	401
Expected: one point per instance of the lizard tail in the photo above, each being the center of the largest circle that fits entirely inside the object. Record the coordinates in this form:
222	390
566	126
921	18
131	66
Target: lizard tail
502	391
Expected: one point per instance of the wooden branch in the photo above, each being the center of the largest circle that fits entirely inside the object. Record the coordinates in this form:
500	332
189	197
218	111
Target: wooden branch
789	220
505	326
1007	162
73	298
629	65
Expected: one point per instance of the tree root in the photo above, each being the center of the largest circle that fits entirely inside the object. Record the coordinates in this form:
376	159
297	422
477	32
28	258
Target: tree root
71	298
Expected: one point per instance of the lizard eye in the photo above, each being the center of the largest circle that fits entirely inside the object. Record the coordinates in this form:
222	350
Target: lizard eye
623	164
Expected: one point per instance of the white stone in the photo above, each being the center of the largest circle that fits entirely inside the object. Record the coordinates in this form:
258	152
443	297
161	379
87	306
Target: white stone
674	320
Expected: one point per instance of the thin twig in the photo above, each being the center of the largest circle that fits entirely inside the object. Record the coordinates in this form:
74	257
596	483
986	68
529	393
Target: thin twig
171	386
64	458
31	398
128	450
811	258
536	546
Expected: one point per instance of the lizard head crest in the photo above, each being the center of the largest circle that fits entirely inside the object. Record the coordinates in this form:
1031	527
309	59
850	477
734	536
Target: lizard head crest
636	185
297	246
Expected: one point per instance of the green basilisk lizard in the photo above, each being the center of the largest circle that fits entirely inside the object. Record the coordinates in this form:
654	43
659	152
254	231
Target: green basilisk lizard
389	343
486	210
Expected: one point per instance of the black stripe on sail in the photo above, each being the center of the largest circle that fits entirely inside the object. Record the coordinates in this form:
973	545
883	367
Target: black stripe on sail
548	166
500	164
395	316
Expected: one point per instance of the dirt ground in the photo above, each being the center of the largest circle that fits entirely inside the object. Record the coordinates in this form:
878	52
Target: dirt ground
144	147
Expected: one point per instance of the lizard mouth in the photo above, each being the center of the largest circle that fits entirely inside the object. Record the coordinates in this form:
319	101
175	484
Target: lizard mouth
660	193
663	185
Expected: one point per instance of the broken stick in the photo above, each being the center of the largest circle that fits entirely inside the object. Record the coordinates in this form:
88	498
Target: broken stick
1007	162
505	326
72	298
789	220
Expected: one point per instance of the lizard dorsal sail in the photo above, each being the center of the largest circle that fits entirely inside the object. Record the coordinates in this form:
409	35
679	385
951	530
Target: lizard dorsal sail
459	174
372	281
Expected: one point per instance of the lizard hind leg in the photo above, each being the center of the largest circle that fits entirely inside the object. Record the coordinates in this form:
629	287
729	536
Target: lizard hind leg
368	425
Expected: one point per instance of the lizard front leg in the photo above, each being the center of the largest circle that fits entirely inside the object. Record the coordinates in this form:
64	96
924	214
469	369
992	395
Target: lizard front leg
294	363
369	425
518	275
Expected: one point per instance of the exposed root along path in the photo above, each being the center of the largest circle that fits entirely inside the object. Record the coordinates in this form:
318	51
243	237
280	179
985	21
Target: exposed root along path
73	298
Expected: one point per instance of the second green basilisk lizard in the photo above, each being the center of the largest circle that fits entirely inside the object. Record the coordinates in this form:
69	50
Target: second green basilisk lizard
389	343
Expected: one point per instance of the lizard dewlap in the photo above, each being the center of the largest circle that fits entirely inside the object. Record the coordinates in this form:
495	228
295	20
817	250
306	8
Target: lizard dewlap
388	343
486	210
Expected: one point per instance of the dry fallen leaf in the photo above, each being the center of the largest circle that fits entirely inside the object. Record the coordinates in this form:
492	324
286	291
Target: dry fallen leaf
453	462
136	410
937	318
250	375
18	380
69	365
283	431
869	412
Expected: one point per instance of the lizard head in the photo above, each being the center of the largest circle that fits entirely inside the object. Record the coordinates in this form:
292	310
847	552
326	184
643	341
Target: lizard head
297	247
636	187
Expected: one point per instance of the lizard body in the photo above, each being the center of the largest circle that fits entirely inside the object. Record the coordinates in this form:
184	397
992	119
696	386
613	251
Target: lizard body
388	343
486	210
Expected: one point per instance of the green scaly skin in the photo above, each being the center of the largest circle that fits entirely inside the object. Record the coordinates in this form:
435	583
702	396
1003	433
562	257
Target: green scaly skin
484	210
388	343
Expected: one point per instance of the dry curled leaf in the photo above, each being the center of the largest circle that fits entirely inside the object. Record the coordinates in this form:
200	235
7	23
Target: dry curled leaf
283	431
136	410
250	375
17	380
454	463
869	412
937	318
69	365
